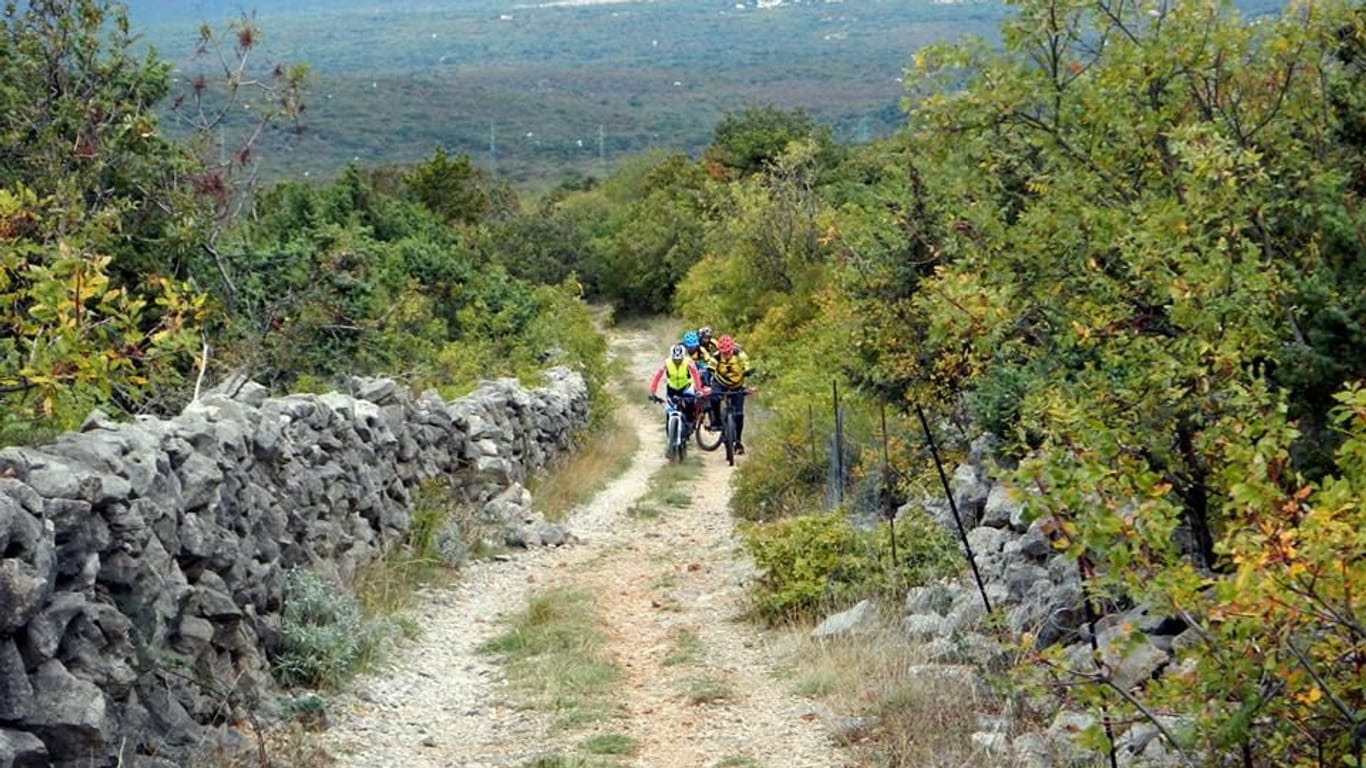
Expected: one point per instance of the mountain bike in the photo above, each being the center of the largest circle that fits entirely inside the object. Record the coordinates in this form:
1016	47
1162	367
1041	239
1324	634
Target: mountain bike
726	434
708	439
676	428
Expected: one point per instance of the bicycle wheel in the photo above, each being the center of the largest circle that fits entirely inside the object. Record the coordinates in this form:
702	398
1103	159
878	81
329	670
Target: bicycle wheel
674	434
707	441
728	436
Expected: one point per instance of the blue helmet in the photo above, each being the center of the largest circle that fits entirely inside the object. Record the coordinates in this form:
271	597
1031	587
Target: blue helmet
690	340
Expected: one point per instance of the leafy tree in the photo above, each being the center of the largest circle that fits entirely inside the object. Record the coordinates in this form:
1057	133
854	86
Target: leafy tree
91	215
766	251
653	231
71	338
1125	209
451	188
356	277
340	279
1330	299
544	247
78	124
744	143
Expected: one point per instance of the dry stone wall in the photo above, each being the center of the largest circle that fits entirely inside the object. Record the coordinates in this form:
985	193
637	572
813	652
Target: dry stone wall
1038	590
142	564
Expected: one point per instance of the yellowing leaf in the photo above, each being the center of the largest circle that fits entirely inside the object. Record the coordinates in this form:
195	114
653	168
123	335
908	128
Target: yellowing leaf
1310	697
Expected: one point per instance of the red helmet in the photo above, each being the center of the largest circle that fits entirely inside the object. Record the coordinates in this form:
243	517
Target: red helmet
725	345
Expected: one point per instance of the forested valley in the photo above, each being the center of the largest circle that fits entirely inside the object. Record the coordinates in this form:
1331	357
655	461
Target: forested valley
534	92
1122	237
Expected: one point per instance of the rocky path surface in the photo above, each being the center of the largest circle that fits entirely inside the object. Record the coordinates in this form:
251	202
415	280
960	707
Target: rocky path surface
441	703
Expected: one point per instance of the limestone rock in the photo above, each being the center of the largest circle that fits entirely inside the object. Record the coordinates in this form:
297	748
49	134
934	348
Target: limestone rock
861	619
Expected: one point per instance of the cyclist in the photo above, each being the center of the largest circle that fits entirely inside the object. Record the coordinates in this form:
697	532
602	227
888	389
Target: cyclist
729	376
705	360
705	339
683	380
692	342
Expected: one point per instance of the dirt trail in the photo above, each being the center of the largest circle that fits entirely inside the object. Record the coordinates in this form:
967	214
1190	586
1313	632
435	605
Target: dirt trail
441	703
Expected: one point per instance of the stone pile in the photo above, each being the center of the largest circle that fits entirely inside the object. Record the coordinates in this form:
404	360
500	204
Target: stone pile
142	564
1038	591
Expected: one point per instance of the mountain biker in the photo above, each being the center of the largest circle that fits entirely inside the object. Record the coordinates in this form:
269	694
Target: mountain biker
682	380
692	342
705	360
728	375
706	341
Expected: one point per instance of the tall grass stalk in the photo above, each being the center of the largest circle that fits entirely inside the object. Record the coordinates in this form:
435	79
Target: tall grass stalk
910	724
387	586
602	455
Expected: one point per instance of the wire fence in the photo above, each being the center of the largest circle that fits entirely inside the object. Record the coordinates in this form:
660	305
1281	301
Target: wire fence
852	439
846	439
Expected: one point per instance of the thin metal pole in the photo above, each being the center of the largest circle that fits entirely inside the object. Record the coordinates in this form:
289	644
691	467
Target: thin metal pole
811	431
887	497
839	443
962	534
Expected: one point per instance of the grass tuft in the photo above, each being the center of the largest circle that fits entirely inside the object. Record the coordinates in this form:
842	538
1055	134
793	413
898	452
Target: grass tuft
671	487
707	690
610	744
739	761
685	647
557	761
556	658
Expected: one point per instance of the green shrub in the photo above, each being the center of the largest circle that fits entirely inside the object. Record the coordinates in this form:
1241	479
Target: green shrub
819	562
324	637
774	489
995	404
309	710
350	279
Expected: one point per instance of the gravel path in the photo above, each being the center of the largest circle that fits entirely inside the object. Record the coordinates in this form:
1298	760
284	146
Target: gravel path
441	703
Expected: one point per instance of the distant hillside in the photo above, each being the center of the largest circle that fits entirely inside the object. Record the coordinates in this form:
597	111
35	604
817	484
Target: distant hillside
538	91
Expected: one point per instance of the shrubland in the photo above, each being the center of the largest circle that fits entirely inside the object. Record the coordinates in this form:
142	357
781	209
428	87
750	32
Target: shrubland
137	267
1127	241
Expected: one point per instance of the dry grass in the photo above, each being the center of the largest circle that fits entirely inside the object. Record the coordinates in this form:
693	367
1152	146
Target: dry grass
387	586
671	487
739	761
684	647
707	690
601	456
908	722
285	744
610	744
